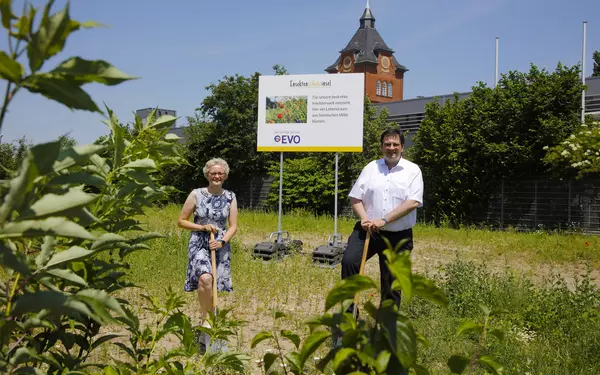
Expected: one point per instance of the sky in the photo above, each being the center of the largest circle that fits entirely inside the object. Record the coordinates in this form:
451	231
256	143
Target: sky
179	47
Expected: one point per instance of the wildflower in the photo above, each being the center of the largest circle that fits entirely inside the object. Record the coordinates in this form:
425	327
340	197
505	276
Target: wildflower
545	147
587	244
279	115
281	106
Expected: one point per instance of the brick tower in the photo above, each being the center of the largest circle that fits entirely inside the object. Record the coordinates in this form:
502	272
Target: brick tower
367	53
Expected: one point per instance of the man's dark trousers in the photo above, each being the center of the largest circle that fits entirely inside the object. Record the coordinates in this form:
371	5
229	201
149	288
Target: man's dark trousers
353	255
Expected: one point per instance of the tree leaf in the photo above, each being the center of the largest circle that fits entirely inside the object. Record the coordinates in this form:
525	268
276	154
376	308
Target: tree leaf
423	340
172	137
56	302
28	370
341	356
400	267
382	361
311	344
106	241
427	289
100	298
72	254
469	327
50	37
78	178
67	275
458	364
101	164
6	12
38	162
12	260
62	90
85	71
261	336
269	359
10	69
499	334
147	237
146	163
54	226
491	365
46	252
294	338
22	355
420	370
347	289
406	349
75	156
163	122
58	205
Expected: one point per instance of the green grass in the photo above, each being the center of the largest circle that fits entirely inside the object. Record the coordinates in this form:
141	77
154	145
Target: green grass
552	324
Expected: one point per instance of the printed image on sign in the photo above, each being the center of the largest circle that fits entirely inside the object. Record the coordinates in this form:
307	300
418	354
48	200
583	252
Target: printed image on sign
312	112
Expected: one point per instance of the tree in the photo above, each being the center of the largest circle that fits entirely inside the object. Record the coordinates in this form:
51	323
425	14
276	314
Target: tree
465	146
11	156
596	72
66	142
579	154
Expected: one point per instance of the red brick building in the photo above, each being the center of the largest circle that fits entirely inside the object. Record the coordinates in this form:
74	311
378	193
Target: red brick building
367	53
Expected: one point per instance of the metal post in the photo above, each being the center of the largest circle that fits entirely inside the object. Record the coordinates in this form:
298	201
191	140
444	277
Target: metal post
335	204
536	205
583	74
279	234
496	75
569	203
502	206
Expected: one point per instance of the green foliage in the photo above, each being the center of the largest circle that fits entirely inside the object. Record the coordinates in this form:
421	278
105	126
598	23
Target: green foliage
11	156
62	83
464	146
307	183
596	71
577	155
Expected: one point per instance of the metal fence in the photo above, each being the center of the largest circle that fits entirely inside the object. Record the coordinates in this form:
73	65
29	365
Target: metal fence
522	205
544	203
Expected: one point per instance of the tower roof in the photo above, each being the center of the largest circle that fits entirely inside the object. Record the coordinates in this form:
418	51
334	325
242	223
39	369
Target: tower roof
366	44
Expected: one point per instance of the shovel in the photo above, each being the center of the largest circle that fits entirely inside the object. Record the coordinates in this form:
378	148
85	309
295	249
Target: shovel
217	345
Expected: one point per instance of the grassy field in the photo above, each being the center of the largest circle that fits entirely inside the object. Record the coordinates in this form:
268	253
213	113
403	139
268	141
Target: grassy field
548	282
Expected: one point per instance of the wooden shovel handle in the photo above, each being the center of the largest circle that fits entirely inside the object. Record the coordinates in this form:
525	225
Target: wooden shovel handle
214	272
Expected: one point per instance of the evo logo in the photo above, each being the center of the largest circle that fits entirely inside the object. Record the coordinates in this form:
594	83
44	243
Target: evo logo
287	139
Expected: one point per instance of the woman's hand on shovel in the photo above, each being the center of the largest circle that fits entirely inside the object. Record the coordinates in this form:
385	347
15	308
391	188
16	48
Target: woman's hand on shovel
214	245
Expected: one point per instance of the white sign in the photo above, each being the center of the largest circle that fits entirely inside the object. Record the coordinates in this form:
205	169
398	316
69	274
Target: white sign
314	112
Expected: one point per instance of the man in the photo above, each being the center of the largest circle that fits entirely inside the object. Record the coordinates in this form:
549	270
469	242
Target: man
385	198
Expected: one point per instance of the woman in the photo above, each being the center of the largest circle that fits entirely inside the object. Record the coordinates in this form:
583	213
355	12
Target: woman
212	206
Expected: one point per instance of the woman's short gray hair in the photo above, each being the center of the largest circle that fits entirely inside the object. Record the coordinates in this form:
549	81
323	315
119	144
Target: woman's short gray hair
215	161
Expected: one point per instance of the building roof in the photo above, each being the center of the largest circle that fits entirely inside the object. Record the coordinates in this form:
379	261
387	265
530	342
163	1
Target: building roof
417	105
366	44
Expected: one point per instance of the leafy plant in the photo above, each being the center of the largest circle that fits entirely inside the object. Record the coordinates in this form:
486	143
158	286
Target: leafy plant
458	364
578	154
465	145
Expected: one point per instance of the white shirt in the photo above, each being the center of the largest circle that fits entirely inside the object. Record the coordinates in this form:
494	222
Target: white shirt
382	190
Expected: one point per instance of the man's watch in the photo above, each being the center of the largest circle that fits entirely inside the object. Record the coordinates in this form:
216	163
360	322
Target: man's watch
384	220
222	243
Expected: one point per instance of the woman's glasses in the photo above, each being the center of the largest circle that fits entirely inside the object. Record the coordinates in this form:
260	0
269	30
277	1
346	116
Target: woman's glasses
216	174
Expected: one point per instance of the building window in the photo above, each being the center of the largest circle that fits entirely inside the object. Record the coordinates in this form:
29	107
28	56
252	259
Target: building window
384	89
389	89
378	87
